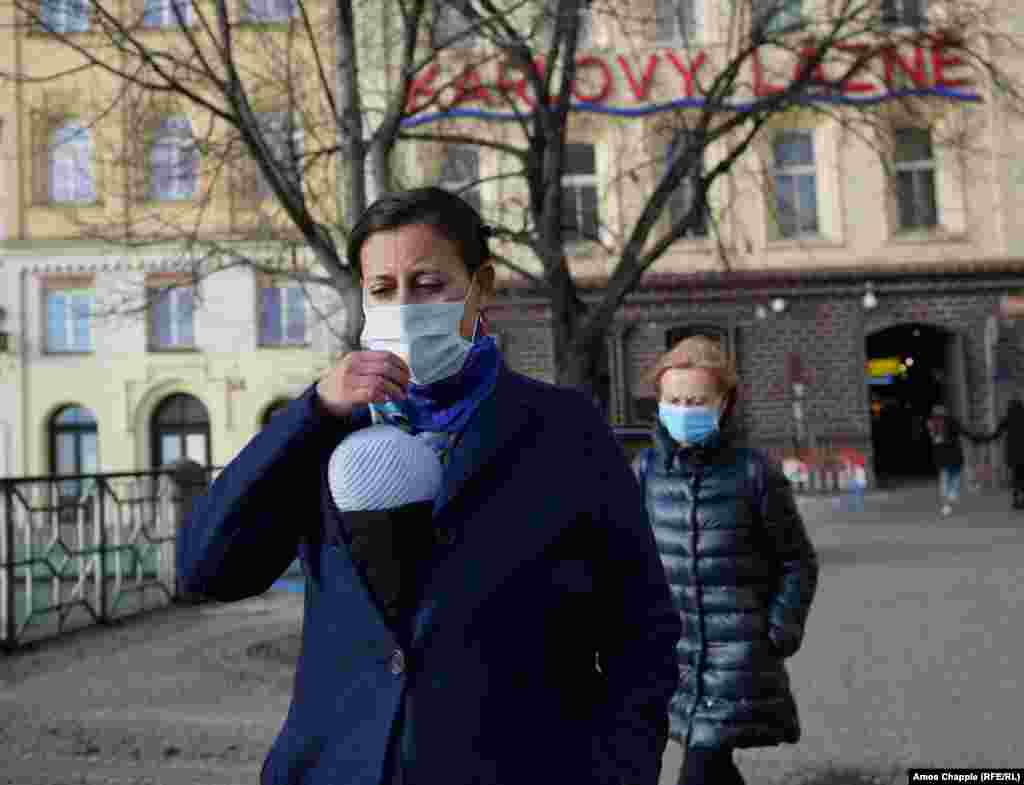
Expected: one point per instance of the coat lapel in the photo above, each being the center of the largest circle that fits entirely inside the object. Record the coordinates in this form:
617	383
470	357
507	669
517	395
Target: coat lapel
485	435
483	556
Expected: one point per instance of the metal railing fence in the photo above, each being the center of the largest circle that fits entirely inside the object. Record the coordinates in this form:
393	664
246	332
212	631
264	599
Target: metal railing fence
85	549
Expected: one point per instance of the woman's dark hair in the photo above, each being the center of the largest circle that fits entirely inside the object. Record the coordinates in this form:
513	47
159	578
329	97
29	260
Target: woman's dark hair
448	213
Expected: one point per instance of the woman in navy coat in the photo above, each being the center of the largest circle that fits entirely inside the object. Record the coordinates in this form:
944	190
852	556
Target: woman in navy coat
539	644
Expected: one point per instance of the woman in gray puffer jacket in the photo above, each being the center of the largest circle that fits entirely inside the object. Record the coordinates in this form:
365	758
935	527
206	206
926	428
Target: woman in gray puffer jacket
742	569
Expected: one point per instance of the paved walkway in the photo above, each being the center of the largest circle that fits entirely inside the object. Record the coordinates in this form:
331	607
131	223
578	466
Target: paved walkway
911	657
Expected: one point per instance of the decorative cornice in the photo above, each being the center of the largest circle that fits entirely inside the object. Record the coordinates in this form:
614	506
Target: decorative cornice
714	285
90	257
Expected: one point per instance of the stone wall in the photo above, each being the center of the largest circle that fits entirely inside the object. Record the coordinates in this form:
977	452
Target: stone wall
826	330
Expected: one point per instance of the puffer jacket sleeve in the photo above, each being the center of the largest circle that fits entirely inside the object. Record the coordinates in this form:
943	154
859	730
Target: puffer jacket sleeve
797	560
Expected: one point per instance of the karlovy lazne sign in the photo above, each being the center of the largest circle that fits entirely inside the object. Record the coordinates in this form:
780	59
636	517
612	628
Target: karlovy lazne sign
670	79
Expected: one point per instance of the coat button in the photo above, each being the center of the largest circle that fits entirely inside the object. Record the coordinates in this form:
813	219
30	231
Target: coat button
398	662
445	536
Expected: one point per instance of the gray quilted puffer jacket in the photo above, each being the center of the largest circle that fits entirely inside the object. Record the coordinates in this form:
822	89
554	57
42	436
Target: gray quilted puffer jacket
743	579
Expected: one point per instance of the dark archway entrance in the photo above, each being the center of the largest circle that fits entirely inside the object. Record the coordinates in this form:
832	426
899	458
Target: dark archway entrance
911	367
180	429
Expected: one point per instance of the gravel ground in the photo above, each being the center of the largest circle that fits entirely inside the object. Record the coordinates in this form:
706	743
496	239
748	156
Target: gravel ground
911	658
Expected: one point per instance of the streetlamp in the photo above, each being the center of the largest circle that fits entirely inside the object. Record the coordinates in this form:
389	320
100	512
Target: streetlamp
5	337
869	300
797	379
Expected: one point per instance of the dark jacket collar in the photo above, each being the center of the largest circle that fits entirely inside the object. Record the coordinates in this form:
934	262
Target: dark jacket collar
669	452
504	414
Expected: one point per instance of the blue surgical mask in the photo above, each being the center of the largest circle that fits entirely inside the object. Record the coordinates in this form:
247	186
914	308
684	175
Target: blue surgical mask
425	335
689	424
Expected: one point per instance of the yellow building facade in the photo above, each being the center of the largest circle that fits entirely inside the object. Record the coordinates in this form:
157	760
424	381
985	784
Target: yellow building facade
935	239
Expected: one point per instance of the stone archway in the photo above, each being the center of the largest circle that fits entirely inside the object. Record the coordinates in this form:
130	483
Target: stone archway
911	367
144	411
180	428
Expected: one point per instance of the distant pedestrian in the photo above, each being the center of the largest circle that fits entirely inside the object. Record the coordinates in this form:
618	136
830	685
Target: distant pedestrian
741	566
946	432
1012	429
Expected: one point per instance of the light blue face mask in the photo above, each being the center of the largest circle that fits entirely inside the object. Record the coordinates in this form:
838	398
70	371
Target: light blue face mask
689	424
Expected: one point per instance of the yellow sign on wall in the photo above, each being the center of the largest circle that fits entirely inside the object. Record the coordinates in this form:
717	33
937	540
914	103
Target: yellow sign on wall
885	366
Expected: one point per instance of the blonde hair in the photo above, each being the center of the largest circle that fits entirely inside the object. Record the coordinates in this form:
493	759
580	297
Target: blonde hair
697	351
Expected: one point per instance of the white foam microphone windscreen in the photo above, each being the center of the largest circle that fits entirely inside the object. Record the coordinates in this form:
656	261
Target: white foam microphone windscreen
382	467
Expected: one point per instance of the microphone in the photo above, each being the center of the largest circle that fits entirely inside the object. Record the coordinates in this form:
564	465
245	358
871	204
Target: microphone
383	482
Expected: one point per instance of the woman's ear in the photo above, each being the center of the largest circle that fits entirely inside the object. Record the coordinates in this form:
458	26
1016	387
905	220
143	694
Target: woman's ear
480	293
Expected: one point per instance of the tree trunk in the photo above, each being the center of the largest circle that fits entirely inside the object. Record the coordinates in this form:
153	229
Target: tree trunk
351	170
581	365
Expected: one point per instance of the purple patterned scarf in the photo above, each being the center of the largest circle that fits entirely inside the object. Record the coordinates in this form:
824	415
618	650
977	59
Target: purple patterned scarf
445	406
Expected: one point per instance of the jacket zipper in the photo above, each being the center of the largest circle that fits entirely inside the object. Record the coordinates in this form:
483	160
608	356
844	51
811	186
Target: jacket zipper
699	669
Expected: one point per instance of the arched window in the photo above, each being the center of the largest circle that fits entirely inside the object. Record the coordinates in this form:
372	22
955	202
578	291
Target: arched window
173	160
274	409
180	429
70	176
73	448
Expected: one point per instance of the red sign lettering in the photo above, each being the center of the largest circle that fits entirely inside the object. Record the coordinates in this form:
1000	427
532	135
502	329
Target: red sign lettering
816	76
893	59
596	82
859	64
939	62
606	84
688	74
761	87
422	85
640	90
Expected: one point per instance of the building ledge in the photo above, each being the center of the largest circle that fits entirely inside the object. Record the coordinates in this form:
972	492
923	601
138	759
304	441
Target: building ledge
794	276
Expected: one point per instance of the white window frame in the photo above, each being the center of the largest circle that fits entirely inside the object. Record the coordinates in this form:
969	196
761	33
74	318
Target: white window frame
183	161
78	306
274	126
466	187
796	171
270	11
157	14
915	169
896	13
175	296
285	288
70	176
685	14
64	16
580	181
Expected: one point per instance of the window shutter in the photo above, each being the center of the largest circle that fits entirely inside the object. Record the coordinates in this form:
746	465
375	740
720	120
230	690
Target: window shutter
160	319
56	321
81	313
296	326
186	317
270	316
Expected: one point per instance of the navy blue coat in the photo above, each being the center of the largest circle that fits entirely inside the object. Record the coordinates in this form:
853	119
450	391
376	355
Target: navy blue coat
743	573
543	649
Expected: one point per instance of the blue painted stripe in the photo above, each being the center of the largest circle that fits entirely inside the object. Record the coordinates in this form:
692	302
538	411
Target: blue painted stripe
294	585
693	103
